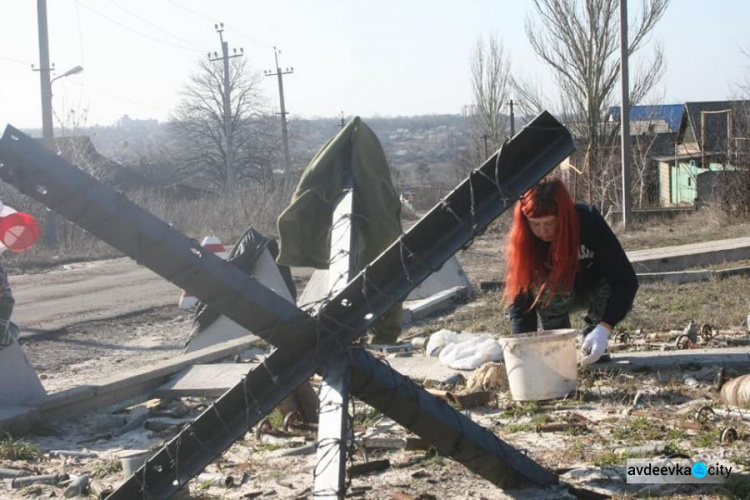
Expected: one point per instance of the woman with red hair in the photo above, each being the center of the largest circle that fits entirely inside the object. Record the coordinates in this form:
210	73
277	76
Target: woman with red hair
562	256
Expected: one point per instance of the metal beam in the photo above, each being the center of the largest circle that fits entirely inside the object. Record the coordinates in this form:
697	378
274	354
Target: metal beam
306	344
334	396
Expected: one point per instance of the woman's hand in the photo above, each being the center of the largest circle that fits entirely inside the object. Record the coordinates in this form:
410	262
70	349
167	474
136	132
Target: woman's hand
595	344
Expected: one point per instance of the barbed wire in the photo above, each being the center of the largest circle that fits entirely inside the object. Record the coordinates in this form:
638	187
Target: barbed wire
334	338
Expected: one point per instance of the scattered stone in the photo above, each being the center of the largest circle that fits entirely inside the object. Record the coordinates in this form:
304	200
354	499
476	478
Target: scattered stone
488	377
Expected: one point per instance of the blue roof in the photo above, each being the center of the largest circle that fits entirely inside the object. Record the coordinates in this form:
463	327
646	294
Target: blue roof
670	113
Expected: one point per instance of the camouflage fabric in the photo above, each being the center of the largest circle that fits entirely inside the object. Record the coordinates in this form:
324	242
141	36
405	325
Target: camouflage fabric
6	309
554	313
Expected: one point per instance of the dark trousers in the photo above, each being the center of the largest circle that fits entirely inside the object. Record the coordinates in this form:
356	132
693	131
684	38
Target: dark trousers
554	312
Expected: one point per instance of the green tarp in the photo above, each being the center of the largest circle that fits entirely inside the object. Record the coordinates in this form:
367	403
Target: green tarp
304	227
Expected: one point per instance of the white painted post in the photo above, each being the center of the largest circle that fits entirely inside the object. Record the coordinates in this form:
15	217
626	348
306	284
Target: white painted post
333	423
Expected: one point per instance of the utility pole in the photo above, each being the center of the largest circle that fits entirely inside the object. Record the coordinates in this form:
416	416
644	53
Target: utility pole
341	120
624	113
228	123
284	133
486	152
512	120
50	238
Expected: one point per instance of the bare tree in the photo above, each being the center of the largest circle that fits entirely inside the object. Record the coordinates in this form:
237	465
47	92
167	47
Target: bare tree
579	40
491	85
200	137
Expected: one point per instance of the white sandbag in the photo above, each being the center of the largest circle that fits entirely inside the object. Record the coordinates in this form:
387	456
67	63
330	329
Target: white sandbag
472	353
443	337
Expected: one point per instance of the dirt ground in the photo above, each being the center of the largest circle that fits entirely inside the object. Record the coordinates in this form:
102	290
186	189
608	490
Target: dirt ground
100	348
615	411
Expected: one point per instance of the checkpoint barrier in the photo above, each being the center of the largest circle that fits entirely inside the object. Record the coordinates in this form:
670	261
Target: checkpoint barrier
305	344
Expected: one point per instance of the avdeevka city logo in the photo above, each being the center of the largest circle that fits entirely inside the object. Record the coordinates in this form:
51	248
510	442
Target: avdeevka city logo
699	470
676	470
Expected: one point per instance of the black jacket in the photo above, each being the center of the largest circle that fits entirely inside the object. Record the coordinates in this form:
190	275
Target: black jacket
600	257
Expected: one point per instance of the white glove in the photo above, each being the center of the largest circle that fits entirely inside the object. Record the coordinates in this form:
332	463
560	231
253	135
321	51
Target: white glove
594	345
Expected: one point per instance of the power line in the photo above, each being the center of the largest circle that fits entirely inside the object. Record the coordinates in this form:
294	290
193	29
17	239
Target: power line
132	30
10	59
251	39
159	28
244	36
195	13
118	97
80	31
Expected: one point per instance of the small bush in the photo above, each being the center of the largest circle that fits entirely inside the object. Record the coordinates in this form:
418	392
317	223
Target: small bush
18	449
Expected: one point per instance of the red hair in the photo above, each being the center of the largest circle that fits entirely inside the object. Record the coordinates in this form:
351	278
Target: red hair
533	264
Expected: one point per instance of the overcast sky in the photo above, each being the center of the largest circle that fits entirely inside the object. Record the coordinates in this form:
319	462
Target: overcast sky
362	57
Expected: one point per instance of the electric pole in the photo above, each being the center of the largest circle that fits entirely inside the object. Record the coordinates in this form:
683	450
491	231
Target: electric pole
486	152
228	122
284	133
50	238
512	120
341	120
624	113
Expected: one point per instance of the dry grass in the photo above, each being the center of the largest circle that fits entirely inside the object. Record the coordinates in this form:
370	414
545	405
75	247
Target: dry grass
227	217
18	449
704	225
721	303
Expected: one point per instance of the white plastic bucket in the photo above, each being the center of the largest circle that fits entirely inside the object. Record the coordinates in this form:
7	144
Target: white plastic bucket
133	460
541	365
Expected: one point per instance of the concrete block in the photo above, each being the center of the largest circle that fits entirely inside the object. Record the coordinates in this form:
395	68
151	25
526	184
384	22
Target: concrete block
204	380
315	291
676	258
422	368
18	417
130	387
224	329
692	276
431	305
21	384
449	276
728	357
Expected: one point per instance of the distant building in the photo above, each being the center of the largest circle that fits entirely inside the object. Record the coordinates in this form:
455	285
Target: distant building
468	110
126	122
709	138
80	151
655	119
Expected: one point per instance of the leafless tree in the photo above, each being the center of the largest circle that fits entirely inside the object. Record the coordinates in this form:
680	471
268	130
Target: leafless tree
491	85
579	40
198	128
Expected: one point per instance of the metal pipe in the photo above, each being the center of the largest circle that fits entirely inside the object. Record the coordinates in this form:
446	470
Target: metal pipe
70	453
216	480
20	482
11	473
